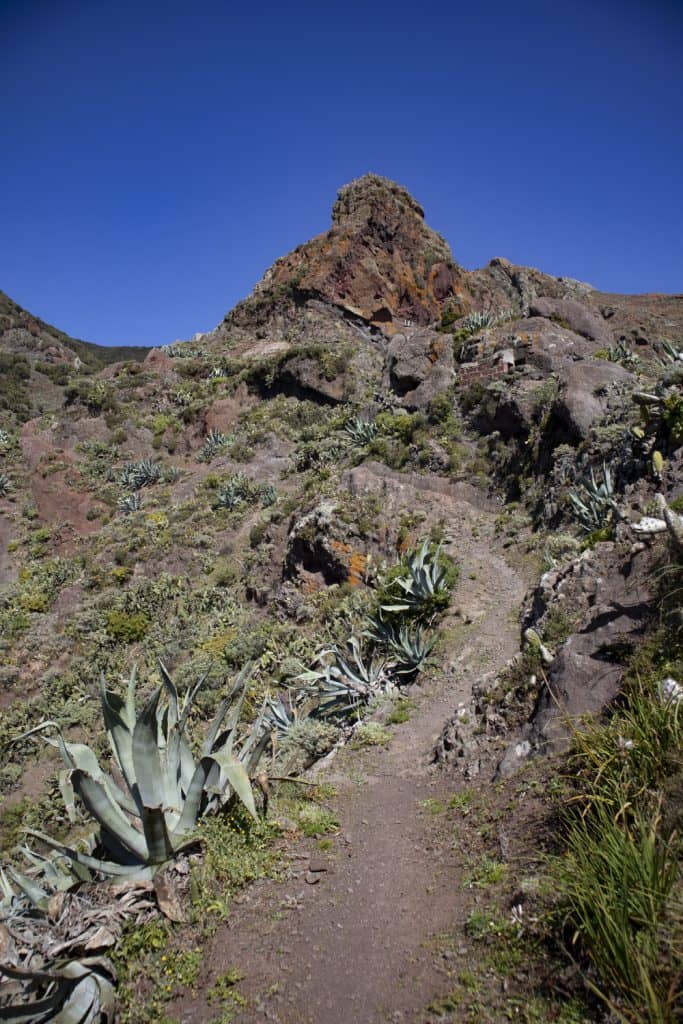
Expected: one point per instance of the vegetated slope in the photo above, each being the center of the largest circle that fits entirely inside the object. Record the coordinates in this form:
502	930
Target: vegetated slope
243	497
38	360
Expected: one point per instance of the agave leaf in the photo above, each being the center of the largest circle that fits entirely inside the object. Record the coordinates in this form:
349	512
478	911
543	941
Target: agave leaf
82	1003
105	811
159	843
116	713
5	887
234	774
146	757
193	799
34	893
35	1012
254	739
251	758
68	796
225	741
80	756
172	695
133	872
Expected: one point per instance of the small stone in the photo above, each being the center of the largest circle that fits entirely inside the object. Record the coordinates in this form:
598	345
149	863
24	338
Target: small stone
316	866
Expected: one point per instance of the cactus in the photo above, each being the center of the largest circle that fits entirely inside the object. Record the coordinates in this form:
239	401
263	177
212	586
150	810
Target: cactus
75	990
237	491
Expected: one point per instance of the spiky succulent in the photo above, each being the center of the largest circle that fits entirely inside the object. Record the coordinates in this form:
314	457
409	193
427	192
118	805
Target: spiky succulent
422	588
5	484
128	503
214	442
238	490
148	819
268	495
593	502
359	431
183	351
281	715
406	643
480	319
621	353
345	682
5	440
140	474
671	354
71	992
182	398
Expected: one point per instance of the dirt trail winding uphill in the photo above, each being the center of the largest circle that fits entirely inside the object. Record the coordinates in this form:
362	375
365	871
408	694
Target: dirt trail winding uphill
350	935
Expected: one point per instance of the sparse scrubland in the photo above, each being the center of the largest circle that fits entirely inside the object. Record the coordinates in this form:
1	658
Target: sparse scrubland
341	673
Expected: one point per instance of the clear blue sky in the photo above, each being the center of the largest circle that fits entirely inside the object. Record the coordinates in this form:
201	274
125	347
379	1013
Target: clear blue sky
157	157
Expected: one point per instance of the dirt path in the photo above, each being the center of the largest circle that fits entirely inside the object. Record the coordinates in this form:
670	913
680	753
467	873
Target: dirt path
7	571
351	935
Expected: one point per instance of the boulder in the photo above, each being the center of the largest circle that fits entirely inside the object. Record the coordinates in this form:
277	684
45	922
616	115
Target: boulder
588	391
419	366
576	316
608	597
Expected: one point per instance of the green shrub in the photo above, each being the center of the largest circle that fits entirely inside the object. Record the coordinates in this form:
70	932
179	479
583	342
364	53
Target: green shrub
127	627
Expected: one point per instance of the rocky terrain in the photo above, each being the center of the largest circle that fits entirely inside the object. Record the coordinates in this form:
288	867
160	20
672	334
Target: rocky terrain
274	494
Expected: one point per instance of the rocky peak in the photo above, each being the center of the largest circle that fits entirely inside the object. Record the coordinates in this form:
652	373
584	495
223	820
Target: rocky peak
373	198
379	261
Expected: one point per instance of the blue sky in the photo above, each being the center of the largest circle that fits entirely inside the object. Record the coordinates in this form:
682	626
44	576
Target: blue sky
157	157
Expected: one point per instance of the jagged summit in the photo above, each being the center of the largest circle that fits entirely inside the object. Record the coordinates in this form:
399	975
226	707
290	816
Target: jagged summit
358	202
379	260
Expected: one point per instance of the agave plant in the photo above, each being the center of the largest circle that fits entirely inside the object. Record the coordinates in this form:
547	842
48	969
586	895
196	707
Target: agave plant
5	440
151	817
75	992
671	354
20	891
621	353
479	320
593	503
347	681
406	643
214	442
268	495
423	587
128	503
140	474
5	484
360	431
237	490
183	351
281	715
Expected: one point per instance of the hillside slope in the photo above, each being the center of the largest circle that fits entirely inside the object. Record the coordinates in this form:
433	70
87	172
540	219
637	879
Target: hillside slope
244	498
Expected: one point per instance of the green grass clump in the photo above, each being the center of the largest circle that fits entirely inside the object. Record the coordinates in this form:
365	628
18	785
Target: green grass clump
619	880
